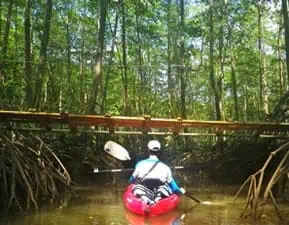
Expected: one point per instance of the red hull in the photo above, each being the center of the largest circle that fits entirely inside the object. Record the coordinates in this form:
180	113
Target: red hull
137	206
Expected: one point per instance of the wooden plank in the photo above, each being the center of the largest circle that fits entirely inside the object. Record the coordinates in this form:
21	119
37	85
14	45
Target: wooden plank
143	123
154	133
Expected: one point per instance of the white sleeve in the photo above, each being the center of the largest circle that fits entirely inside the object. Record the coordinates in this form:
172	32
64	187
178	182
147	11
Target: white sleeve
136	171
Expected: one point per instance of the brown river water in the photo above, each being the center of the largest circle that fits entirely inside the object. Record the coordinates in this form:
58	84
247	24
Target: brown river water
102	205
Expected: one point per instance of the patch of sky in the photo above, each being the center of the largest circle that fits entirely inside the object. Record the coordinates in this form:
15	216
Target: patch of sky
195	7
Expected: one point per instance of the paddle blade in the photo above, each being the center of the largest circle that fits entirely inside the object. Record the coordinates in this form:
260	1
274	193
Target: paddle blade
116	150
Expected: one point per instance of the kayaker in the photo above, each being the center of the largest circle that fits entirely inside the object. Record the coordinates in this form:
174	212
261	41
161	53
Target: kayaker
153	178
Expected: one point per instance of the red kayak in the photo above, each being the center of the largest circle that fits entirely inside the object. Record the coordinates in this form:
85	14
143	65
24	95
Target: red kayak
137	206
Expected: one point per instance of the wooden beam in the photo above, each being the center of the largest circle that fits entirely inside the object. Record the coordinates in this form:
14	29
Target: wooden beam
127	132
133	122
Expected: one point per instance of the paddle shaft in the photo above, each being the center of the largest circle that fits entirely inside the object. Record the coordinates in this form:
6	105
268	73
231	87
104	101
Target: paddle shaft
193	198
96	170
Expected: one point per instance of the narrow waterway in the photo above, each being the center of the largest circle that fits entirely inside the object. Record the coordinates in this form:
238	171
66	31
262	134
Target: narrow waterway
102	205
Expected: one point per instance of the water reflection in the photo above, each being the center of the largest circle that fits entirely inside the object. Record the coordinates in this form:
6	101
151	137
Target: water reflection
103	206
172	218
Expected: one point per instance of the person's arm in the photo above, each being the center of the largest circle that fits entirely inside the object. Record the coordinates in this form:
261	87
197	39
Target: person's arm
173	184
134	175
132	179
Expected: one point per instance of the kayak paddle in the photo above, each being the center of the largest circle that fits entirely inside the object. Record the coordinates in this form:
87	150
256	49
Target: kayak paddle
197	200
116	150
193	198
97	170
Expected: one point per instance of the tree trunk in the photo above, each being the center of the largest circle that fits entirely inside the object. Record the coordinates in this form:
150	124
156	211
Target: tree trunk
263	77
82	72
286	35
280	59
221	74
215	82
280	112
124	62
211	53
246	102
141	89
16	39
1	5
107	78
234	84
182	62
43	54
60	103
82	61
68	51
99	58
28	58
233	67
169	53
7	30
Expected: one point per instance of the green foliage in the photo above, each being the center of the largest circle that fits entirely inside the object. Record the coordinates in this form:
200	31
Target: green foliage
72	56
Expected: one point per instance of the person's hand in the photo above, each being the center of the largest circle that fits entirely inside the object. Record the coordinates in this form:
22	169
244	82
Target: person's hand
183	191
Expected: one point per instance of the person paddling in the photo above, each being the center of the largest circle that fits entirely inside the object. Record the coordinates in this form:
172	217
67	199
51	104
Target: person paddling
153	179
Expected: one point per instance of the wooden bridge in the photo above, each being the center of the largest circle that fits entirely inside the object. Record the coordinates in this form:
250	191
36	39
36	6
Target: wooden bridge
65	122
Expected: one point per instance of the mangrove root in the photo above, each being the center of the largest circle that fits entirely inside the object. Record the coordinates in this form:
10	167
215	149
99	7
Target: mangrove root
260	192
29	171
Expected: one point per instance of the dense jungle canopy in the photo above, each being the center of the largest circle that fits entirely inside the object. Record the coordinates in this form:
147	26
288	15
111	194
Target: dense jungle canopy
187	59
194	59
